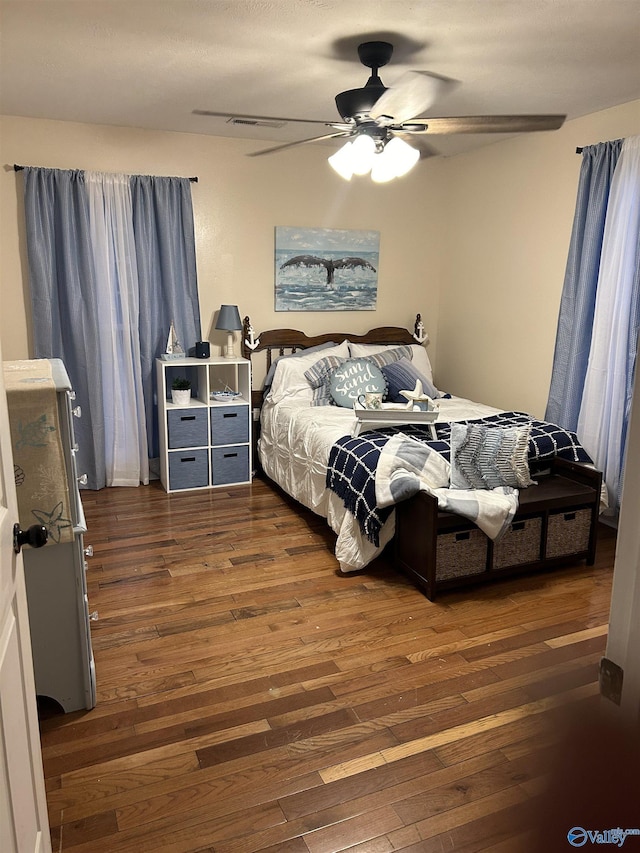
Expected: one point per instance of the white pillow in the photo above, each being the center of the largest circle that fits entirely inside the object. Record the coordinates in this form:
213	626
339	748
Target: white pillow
289	379
419	355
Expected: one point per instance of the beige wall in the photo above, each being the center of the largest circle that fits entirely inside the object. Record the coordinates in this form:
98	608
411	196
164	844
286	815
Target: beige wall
477	243
238	201
509	216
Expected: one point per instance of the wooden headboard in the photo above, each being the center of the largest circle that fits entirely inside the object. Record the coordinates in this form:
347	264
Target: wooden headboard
279	342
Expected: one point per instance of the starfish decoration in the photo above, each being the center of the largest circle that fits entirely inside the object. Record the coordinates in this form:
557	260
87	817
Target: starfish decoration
53	521
417	397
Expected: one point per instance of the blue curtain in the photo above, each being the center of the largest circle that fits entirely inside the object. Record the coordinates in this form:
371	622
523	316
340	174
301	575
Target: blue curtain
575	321
597	336
63	297
608	385
62	274
166	259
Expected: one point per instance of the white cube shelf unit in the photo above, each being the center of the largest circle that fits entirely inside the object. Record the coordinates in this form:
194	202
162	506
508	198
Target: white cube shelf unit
205	444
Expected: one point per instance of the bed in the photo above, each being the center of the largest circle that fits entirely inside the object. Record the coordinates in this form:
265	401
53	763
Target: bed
309	448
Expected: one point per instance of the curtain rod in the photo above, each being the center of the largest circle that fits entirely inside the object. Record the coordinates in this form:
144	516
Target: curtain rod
17	168
578	150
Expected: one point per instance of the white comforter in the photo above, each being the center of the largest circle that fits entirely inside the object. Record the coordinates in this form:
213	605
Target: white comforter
294	447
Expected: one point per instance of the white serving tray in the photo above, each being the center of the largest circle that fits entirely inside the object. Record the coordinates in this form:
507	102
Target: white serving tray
393	417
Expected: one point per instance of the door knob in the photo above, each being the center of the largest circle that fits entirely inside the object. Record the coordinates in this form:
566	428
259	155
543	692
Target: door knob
36	536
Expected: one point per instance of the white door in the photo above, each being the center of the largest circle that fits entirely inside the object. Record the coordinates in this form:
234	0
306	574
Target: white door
24	826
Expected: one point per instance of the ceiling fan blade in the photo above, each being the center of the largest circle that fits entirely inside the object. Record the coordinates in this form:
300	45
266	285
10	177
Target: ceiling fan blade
249	119
414	92
299	142
491	124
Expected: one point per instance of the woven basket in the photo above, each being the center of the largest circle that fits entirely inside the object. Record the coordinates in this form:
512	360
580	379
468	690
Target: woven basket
461	554
568	532
520	544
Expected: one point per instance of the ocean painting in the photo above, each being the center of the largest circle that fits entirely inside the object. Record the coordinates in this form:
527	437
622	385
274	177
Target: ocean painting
326	269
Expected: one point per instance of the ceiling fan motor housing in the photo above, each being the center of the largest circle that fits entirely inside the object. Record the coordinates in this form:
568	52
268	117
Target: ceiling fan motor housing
356	103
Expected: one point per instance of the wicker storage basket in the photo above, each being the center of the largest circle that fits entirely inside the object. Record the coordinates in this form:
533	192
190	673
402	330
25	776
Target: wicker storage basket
520	544
568	532
461	554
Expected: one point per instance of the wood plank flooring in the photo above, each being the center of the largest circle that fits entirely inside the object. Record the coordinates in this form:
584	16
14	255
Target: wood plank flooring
253	698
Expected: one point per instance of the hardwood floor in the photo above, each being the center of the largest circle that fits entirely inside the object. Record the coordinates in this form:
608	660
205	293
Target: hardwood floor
252	698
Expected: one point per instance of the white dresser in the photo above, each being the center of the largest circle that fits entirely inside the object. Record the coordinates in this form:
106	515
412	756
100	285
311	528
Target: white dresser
41	414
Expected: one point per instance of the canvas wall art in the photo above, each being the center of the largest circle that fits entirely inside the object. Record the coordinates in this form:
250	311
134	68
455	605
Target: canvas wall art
326	269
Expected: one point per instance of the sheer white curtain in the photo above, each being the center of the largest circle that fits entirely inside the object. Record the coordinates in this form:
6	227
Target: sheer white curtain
606	400
118	304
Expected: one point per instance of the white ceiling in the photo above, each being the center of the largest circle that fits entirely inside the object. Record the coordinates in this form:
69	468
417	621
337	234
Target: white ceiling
150	63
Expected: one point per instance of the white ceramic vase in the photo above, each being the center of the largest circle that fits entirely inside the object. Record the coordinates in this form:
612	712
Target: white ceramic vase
180	397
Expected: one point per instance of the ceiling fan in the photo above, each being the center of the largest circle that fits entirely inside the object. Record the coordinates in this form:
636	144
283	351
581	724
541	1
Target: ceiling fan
377	120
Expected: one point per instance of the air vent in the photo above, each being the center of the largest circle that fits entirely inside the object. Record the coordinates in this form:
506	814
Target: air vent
252	122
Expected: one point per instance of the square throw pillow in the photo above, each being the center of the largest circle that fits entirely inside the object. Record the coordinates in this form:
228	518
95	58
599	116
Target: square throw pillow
402	375
289	379
318	376
488	457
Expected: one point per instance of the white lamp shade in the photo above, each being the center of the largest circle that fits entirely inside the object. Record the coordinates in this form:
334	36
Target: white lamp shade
396	160
383	168
340	162
404	156
363	152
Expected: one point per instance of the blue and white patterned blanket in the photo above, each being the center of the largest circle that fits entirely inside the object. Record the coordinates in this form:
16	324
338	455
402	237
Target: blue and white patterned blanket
407	466
353	461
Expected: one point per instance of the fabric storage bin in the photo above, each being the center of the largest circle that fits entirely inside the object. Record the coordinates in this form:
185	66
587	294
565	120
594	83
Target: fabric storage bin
520	544
460	554
230	464
568	532
188	469
187	427
229	425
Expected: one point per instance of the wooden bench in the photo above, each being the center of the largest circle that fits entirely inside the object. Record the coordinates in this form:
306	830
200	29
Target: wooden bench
556	523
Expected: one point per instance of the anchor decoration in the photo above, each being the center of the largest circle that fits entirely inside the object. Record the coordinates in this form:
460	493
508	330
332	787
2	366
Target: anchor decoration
251	342
419	333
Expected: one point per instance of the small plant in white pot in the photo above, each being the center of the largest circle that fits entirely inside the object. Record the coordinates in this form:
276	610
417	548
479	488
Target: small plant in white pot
181	391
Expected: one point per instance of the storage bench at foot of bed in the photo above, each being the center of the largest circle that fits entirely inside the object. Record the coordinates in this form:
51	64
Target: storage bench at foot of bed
556	523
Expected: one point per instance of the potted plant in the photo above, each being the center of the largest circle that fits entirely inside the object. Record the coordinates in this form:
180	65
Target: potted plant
181	391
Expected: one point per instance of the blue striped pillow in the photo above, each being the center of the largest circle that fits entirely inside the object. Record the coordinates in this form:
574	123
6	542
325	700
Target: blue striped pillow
318	377
402	375
388	356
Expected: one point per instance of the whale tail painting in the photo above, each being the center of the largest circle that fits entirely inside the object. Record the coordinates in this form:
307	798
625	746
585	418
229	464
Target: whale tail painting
328	263
326	269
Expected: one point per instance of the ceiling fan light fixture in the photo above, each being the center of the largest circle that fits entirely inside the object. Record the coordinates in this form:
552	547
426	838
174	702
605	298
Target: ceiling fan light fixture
342	161
382	170
363	152
396	160
405	156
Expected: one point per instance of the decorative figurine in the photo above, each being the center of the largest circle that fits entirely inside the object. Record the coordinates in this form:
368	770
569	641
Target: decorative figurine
173	350
417	399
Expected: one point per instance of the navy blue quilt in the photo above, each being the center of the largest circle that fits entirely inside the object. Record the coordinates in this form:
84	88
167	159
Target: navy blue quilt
352	461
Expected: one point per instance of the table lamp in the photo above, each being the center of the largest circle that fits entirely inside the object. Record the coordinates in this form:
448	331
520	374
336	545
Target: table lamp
229	321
